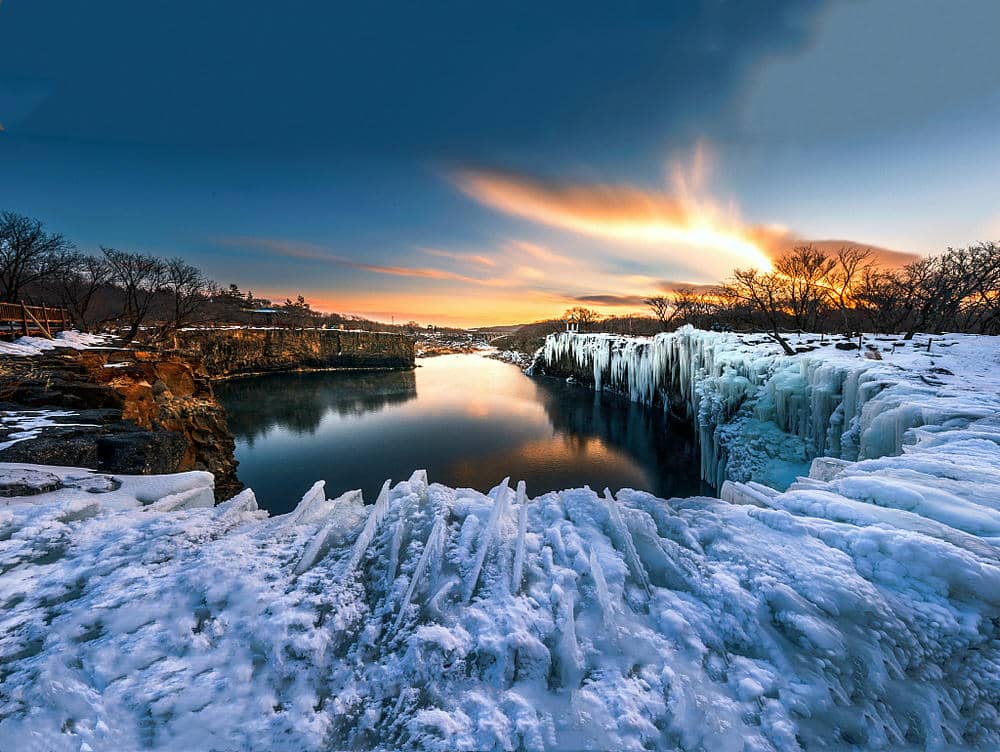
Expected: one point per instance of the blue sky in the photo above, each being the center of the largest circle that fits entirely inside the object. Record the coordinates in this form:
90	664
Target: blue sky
480	163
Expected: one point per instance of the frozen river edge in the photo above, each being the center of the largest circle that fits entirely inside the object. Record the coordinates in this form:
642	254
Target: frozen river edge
858	609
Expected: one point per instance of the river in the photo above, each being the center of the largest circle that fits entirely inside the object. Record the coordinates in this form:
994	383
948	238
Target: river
468	420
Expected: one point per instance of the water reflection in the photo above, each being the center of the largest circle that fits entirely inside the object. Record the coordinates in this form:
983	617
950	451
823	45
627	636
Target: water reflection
297	402
649	436
468	420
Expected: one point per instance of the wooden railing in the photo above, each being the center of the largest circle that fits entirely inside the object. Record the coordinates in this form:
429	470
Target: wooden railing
18	319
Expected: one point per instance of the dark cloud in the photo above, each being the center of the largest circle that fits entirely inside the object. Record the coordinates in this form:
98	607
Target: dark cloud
612	300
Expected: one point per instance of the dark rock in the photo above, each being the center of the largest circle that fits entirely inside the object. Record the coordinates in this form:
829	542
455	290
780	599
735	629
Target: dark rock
27	483
140	452
67	446
846	346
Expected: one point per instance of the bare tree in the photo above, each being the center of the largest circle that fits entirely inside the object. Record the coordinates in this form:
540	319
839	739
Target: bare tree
882	299
805	270
685	305
849	265
583	316
80	284
28	254
188	289
141	278
663	309
759	295
986	259
937	288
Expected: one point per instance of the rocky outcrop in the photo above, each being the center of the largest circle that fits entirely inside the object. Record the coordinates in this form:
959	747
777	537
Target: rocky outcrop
239	352
130	411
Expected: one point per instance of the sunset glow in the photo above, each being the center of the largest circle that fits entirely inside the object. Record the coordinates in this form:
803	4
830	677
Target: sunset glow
443	180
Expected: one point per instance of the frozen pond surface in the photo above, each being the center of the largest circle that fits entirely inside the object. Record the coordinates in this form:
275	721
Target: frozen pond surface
468	420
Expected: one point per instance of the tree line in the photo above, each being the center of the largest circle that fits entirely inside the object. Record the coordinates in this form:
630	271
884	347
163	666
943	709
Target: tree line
131	292
847	291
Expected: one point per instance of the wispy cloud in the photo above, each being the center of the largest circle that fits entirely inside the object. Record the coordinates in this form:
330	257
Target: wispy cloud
313	252
471	258
682	220
682	226
539	252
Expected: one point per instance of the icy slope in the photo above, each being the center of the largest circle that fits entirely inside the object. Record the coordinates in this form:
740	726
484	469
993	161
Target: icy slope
448	619
761	415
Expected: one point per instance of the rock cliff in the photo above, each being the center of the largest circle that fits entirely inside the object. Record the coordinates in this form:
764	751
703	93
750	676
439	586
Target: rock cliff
124	411
238	352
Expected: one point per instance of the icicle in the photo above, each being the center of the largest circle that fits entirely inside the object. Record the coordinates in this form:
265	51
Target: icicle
312	497
313	552
418	482
522	528
570	659
434	541
487	536
229	511
371	525
394	546
601	585
631	555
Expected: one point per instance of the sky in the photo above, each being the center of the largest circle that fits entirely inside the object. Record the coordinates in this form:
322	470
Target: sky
475	164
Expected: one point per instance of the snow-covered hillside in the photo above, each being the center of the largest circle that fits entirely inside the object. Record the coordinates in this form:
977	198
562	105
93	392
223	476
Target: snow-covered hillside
859	609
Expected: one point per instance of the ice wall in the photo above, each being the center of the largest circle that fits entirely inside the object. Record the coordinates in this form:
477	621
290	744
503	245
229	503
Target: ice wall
447	619
762	415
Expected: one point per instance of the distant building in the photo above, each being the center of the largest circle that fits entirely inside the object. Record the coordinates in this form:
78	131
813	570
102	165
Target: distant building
572	324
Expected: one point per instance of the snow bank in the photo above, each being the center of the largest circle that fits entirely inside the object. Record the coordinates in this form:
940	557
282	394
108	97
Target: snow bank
448	619
761	415
36	345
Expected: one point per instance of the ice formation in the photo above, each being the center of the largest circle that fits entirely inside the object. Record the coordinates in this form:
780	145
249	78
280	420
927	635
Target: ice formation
761	415
857	610
832	616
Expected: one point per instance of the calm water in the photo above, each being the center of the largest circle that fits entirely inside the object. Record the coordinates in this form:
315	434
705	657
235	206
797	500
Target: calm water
468	420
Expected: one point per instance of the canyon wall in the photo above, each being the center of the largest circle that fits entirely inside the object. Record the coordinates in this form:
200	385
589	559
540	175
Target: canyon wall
239	352
119	411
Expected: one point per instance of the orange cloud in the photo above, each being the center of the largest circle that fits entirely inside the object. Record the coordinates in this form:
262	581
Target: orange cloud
539	253
684	225
463	307
623	213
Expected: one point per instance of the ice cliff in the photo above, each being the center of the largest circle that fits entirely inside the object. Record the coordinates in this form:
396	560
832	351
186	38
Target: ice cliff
761	415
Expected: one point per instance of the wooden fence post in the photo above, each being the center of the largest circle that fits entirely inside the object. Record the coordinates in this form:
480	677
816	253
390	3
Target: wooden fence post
24	319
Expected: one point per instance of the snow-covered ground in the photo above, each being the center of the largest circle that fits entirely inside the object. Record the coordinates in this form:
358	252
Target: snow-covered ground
37	345
859	609
21	425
